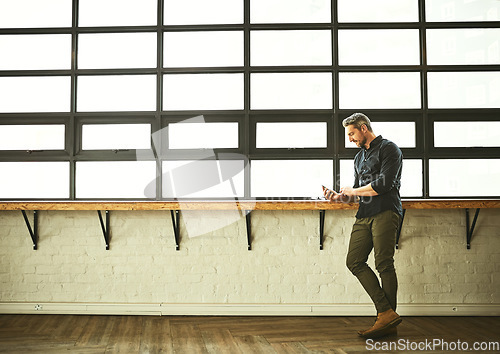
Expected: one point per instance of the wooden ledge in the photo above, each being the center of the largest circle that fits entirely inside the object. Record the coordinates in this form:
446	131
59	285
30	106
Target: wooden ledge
239	205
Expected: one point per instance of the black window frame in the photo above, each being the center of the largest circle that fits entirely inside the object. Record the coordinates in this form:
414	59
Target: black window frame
247	118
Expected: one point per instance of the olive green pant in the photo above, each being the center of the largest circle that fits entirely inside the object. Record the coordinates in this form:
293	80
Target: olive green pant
378	233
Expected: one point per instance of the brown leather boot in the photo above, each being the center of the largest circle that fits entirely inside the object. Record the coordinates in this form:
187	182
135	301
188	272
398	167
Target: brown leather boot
385	321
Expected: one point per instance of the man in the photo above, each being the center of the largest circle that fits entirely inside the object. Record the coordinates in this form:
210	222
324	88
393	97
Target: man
377	181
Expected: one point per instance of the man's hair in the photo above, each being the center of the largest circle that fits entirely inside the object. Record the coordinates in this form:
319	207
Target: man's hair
358	119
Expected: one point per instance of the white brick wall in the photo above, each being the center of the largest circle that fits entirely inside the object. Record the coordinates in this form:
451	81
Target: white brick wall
285	265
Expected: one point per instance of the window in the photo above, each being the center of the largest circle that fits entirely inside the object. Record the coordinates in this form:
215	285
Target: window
202	135
290	178
117	93
379	90
291	135
466	89
117	13
35	52
291	91
467	134
378	47
117	50
35	94
201	12
219	48
461	11
457	46
464	177
290	11
378	11
32	137
203	179
114	179
164	99
275	48
35	14
34	180
116	136
203	92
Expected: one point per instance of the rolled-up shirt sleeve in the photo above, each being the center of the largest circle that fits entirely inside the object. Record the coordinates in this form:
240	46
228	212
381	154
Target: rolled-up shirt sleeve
356	177
390	171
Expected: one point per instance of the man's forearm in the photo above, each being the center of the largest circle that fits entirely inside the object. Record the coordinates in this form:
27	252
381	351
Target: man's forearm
365	191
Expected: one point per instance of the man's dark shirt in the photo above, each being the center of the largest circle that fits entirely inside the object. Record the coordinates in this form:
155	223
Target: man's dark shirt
381	166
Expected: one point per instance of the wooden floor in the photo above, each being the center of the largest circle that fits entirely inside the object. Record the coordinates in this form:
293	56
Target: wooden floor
177	334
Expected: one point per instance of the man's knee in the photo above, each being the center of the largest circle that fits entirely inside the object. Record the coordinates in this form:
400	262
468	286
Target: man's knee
354	265
385	266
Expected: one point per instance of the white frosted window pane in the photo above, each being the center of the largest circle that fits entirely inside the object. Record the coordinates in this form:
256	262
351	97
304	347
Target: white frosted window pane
117	50
35	52
463	46
379	90
32	137
202	91
464	89
114	179
34	180
198	12
203	179
202	135
467	134
462	10
203	49
346	175
117	93
290	48
290	11
35	13
401	133
290	178
116	136
291	135
291	91
378	10
117	12
379	47
35	94
464	178
411	177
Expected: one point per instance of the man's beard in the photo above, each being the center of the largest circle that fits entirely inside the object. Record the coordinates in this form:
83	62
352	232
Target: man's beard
361	143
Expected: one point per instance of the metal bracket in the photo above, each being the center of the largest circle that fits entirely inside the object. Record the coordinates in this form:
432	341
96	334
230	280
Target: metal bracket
470	228
249	230
105	229
33	231
321	228
175	224
399	229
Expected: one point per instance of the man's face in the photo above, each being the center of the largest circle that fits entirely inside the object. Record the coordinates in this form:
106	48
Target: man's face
356	135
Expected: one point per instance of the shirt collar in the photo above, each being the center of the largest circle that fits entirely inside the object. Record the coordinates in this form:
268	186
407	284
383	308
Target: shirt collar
374	142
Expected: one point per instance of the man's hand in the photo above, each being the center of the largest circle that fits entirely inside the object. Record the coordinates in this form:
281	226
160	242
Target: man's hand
331	195
347	191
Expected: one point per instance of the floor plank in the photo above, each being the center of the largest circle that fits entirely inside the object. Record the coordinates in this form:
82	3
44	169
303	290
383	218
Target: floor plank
187	338
156	337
